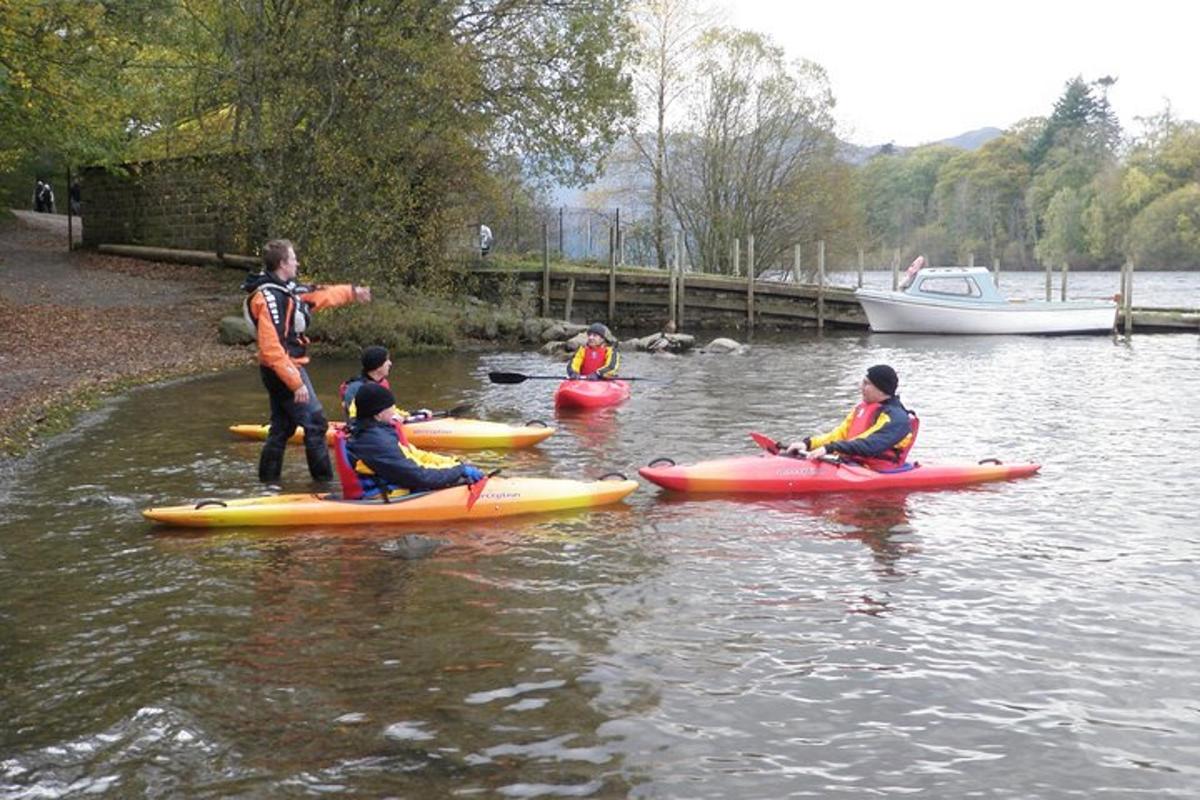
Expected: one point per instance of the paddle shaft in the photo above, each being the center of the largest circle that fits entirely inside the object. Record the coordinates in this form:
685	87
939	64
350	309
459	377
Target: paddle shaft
520	377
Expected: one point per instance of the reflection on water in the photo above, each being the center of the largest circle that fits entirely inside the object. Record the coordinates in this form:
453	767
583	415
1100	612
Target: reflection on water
1025	639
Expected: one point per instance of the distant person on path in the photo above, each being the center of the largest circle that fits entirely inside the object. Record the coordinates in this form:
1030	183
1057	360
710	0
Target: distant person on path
377	456
47	198
485	240
75	199
279	310
597	359
877	433
37	196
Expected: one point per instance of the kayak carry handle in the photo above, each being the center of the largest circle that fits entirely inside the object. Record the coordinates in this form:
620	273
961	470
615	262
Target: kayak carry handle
670	462
618	475
990	461
207	503
536	423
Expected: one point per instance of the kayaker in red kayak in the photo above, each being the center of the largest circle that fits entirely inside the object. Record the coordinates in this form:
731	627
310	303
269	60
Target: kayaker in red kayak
597	359
376	364
376	454
279	309
877	433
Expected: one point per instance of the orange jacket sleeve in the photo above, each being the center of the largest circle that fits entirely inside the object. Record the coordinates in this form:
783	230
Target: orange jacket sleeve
330	296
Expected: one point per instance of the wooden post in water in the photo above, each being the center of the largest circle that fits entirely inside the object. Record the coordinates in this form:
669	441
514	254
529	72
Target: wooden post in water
679	270
735	258
671	297
996	272
750	282
1127	299
612	275
1065	269
896	270
821	285
545	269
570	299
1049	270
862	257
796	264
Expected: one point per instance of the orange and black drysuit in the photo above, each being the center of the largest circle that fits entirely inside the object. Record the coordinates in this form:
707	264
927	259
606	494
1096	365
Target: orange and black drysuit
279	313
876	435
594	363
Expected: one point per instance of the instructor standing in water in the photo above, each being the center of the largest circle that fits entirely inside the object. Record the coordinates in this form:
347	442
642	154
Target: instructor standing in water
279	310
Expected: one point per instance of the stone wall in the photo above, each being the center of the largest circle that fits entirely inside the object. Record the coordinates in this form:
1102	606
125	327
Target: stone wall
176	203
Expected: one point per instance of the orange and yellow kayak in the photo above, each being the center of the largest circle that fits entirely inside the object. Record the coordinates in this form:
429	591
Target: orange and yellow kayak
770	474
501	497
451	433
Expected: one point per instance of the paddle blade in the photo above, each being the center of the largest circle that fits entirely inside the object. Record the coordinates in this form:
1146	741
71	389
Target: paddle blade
476	489
506	377
457	411
766	443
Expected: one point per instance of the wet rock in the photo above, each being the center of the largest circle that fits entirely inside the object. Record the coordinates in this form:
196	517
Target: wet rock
412	546
562	330
234	330
722	345
667	343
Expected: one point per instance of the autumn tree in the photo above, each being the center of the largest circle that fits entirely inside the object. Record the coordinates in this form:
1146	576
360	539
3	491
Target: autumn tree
760	135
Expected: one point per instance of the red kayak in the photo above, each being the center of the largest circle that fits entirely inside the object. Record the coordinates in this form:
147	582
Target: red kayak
770	474
590	394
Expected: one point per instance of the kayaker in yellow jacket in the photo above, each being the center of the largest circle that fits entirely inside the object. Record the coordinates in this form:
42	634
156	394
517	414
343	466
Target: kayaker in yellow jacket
877	433
597	359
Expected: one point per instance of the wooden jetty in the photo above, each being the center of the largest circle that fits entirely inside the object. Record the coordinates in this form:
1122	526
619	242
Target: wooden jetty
635	298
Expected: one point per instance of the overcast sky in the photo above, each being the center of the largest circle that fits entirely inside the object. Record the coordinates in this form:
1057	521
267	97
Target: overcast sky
923	70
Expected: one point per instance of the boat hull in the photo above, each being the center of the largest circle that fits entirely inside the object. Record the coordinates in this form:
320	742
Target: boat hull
591	394
896	312
501	497
451	433
781	475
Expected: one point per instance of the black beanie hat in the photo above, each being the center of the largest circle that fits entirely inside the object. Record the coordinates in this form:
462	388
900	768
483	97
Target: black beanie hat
601	329
371	399
883	378
373	357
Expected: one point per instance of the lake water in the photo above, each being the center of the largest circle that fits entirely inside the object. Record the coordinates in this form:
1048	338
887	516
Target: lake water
1032	639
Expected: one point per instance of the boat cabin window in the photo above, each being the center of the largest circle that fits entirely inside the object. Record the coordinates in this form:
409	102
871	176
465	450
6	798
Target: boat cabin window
951	285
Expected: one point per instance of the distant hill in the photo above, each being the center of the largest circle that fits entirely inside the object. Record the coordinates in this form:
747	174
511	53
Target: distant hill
971	140
851	153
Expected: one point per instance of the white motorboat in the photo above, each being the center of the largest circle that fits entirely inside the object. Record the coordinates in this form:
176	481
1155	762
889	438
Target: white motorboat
965	300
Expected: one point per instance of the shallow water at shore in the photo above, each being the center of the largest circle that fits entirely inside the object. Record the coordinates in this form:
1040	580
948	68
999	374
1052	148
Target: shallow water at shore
1028	639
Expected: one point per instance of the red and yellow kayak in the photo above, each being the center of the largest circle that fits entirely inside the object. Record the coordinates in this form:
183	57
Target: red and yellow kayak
770	474
450	433
590	394
501	497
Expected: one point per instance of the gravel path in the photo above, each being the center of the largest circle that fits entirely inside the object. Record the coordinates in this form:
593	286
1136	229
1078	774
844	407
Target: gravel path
77	325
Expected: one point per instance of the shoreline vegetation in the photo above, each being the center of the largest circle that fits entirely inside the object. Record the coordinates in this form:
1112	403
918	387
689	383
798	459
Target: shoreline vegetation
79	327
